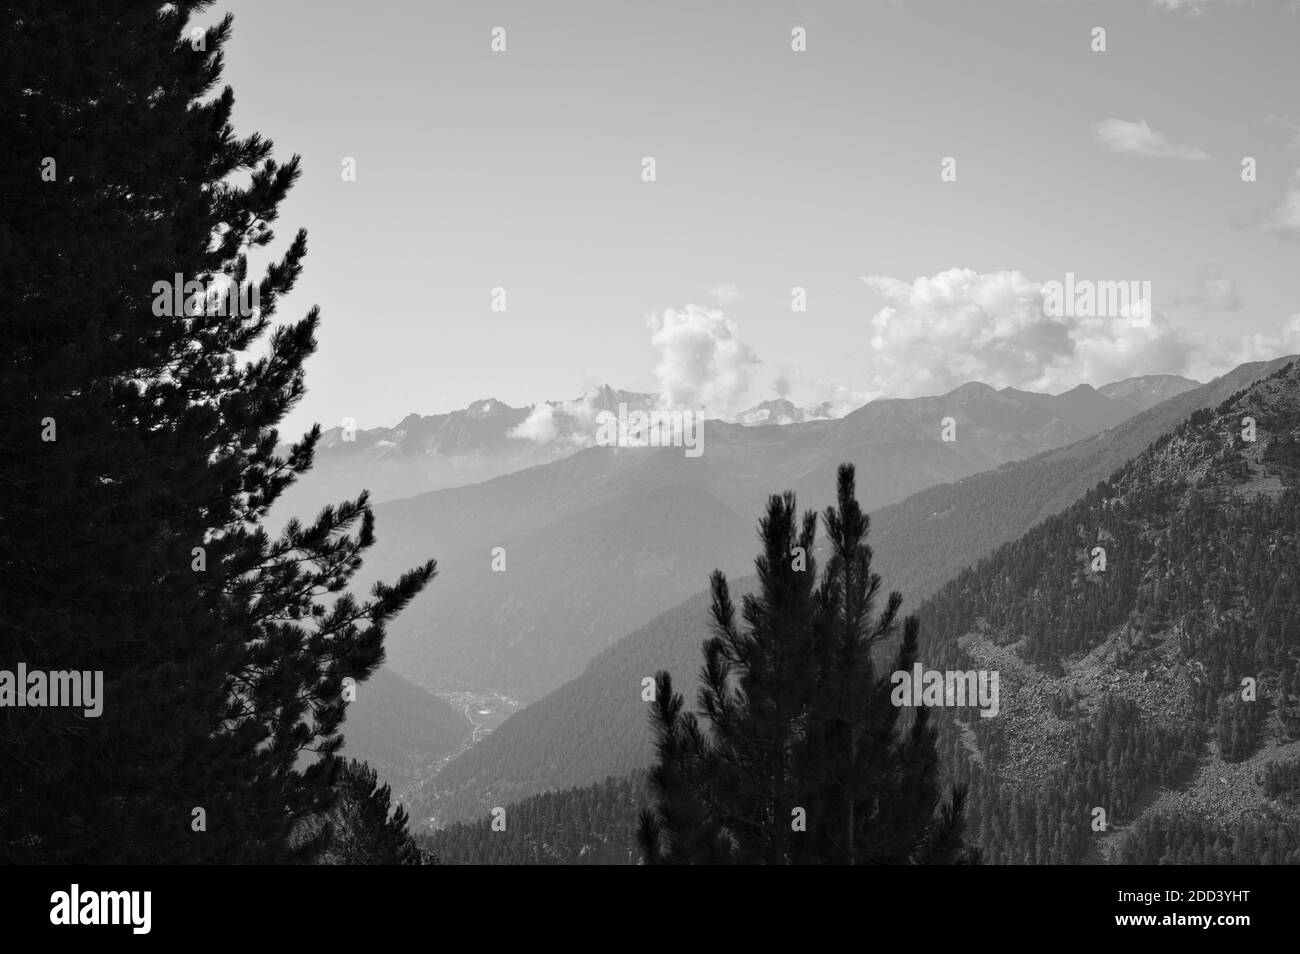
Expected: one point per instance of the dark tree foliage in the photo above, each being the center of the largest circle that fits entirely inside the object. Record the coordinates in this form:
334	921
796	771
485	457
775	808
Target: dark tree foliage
1281	780
587	825
1169	839
138	459
804	758
363	827
1238	728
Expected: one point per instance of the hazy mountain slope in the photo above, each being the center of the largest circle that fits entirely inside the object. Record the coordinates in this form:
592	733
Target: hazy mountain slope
1149	390
400	729
1159	688
594	726
422	453
568	590
922	541
596	544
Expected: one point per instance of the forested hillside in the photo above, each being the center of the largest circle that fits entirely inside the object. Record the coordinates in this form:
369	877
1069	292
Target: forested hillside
594	825
1158	687
923	541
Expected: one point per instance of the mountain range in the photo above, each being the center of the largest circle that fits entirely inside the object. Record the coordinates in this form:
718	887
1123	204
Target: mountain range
541	569
782	411
1145	642
593	727
489	438
429	452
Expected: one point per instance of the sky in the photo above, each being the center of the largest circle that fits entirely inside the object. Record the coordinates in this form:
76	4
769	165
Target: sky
820	169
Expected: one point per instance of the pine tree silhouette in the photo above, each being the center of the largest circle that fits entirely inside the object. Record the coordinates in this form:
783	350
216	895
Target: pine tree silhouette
364	827
138	460
805	760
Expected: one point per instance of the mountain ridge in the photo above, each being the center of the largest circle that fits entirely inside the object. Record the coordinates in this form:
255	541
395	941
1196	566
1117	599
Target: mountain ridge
686	516
590	728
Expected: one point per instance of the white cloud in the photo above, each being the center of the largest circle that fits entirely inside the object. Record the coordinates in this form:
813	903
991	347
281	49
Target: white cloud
936	333
538	426
702	364
702	361
836	400
1138	138
569	422
1225	353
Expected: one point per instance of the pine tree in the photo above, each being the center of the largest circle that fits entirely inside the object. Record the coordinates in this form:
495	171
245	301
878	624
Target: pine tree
363	827
805	759
138	458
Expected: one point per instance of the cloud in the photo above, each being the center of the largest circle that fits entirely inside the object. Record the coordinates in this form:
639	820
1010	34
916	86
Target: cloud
934	334
1226	352
938	332
538	426
1215	291
1120	135
702	364
835	400
726	294
569	422
702	361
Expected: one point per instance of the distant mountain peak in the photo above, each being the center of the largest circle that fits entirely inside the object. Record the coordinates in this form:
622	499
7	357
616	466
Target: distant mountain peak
606	398
1148	390
486	408
782	411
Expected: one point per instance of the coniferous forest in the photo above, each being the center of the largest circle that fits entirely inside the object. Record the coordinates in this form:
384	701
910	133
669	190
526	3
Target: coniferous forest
1192	625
